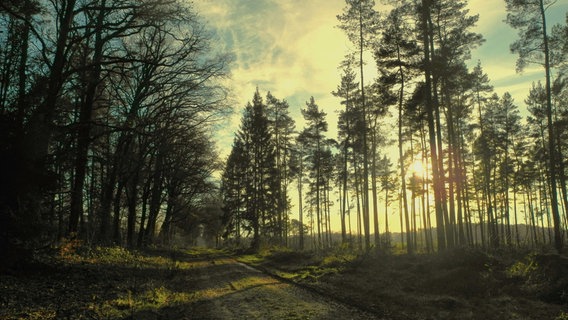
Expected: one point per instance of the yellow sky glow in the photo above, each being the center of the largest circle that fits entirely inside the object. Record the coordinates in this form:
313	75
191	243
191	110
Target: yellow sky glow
293	49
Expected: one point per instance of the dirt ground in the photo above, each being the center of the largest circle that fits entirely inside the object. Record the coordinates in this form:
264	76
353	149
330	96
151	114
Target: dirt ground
177	285
458	284
237	291
114	283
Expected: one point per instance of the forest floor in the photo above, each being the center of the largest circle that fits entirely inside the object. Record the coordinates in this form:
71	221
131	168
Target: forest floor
457	284
113	283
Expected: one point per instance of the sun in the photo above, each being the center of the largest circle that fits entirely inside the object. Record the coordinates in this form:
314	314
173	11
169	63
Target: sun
417	168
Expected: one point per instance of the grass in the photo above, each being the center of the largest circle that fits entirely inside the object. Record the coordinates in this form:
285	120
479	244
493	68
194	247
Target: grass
102	283
295	265
115	283
461	283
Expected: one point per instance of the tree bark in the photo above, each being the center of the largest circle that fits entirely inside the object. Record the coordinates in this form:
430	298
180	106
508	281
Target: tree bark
558	242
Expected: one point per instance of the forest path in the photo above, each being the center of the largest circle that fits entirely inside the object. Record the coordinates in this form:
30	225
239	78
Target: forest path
114	283
227	289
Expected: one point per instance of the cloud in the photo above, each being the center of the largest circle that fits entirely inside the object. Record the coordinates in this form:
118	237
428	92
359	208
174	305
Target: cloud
495	56
291	48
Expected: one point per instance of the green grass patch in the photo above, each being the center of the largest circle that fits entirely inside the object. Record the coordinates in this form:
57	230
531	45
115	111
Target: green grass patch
300	265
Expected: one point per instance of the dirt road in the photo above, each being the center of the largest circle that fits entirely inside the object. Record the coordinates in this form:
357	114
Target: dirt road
160	285
227	289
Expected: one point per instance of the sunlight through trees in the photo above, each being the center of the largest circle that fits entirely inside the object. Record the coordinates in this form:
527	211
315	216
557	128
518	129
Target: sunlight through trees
110	110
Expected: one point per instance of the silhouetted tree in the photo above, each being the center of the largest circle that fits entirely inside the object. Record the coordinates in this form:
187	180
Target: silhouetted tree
529	17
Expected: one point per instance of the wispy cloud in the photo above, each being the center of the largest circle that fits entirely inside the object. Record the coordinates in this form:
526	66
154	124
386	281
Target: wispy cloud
495	56
293	48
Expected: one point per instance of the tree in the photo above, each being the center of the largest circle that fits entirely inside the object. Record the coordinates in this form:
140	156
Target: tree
101	29
502	127
315	145
396	57
359	21
347	90
232	190
529	17
281	127
27	149
437	172
107	94
481	87
258	185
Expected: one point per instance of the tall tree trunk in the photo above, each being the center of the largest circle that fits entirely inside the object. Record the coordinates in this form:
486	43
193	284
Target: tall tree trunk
132	202
387	231
558	243
436	177
22	66
562	176
344	203
155	200
300	206
318	191
83	134
145	198
365	193
117	210
374	187
409	247
451	153
166	228
33	146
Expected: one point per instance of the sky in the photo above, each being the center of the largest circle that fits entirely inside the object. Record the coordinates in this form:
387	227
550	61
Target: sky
293	48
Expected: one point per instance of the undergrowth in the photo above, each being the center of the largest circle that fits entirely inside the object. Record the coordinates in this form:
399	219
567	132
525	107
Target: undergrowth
84	282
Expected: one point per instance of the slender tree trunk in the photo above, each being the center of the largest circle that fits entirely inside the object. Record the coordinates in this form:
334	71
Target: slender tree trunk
108	192
558	242
387	230
409	247
437	181
426	186
32	147
83	134
144	200
451	155
533	217
506	199
493	195
318	200
300	205
358	198
117	219
562	176
132	202
365	193
22	66
374	187
517	238
155	200
401	217
344	202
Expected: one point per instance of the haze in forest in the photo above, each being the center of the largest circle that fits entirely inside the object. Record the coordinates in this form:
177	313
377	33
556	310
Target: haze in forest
294	50
273	159
138	122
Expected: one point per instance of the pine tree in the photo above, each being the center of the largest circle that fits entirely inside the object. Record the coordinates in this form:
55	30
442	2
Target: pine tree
359	21
396	56
313	138
529	17
262	188
348	92
281	127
